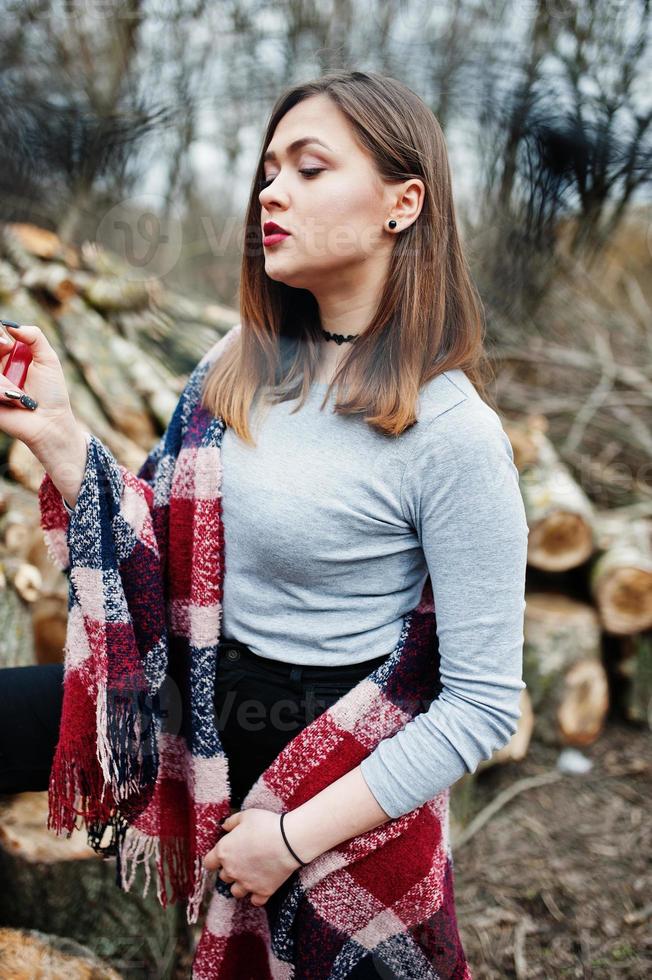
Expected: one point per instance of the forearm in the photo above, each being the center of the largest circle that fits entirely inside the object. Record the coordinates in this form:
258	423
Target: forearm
342	810
63	456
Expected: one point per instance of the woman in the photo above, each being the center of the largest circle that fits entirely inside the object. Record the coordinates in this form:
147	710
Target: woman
336	517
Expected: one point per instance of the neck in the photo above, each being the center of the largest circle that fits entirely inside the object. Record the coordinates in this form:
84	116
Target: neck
349	307
330	358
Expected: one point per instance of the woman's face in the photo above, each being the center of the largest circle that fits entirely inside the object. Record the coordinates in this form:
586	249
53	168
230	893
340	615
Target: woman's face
330	199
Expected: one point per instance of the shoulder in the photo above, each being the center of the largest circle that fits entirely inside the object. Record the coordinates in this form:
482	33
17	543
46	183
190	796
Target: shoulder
455	419
443	393
220	345
191	393
461	466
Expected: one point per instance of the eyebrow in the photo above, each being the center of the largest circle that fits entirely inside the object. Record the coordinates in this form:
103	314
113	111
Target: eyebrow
296	145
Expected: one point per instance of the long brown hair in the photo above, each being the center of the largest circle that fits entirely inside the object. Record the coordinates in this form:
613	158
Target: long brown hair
429	318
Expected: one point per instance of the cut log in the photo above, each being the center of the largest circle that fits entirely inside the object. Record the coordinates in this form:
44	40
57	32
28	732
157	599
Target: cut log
151	379
518	745
55	584
177	343
49	622
15	536
24	308
16	631
17	247
58	884
559	514
621	577
106	293
26	954
524	446
9	279
53	279
27	581
41	242
563	669
87	337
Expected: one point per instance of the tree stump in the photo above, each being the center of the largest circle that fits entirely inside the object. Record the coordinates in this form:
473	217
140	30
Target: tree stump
60	885
26	954
559	513
562	665
621	578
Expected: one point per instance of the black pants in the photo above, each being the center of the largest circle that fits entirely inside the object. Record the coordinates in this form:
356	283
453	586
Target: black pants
260	705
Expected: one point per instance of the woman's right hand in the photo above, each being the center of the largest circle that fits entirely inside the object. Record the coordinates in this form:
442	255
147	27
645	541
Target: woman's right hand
45	383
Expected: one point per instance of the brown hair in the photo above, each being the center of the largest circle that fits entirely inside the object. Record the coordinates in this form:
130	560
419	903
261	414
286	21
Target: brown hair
429	318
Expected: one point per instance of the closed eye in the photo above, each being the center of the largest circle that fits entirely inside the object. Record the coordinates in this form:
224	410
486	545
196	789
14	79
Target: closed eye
309	173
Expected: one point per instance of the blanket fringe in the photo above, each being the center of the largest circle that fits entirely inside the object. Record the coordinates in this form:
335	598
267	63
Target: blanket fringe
202	877
171	859
79	797
127	755
76	787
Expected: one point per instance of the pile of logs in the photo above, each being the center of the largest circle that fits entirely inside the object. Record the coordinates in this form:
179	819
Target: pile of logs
588	598
127	346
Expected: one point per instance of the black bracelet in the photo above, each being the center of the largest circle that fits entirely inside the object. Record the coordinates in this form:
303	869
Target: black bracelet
295	856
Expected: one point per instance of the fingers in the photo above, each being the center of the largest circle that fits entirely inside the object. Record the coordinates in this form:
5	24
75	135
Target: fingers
238	891
258	900
27	334
211	861
17	397
11	394
7	344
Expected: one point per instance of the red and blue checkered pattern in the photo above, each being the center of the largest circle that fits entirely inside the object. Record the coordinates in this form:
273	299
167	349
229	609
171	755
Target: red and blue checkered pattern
139	753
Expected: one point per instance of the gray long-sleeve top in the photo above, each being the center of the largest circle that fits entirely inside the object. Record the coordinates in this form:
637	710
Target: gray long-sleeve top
330	531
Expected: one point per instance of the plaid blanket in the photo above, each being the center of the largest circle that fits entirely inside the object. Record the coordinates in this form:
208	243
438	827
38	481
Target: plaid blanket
139	754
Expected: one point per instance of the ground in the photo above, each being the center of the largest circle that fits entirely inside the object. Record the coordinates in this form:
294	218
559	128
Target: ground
559	882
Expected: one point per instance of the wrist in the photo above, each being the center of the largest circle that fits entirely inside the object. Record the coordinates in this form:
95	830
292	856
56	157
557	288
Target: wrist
57	437
63	452
297	860
301	837
342	810
288	861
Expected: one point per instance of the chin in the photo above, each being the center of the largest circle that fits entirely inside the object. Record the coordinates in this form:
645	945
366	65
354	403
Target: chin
286	276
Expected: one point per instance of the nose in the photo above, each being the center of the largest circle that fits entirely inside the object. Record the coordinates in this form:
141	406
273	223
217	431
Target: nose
273	197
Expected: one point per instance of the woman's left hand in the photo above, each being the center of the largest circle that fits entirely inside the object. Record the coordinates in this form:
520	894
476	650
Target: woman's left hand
253	855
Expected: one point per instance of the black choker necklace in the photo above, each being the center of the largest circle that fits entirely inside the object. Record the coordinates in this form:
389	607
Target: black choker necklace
338	337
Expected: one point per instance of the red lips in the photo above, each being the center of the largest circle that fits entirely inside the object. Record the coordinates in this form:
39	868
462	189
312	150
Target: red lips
270	228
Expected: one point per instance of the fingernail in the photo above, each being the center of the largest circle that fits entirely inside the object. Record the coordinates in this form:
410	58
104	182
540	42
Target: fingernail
23	399
4	340
10	323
